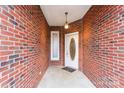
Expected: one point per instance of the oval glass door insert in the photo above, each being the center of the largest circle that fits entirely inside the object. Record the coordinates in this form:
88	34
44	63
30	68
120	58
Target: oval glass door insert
72	49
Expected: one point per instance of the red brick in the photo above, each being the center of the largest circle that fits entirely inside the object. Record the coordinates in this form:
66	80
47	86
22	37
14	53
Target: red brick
4	58
7	14
7	33
3	79
13	73
3	69
13	39
3	38
14	14
7	72
14	64
6	43
6	23
3	53
3	48
3	16
13	30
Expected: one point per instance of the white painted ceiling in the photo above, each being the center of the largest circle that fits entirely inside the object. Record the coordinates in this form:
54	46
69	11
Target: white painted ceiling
55	14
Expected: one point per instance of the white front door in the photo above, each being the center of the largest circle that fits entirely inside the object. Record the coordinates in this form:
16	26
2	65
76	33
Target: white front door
71	50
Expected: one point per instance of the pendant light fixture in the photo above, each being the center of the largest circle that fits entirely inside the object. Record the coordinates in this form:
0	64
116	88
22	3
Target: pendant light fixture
66	26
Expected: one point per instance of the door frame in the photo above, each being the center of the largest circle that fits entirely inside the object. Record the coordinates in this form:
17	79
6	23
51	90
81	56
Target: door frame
72	33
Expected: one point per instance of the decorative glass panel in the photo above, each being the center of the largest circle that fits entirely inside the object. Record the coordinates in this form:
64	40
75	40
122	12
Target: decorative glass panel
72	48
54	45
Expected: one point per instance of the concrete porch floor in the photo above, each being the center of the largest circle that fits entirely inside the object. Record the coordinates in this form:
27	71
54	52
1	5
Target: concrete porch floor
55	77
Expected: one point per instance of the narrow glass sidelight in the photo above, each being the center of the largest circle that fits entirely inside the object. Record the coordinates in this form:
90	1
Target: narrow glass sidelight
54	45
72	49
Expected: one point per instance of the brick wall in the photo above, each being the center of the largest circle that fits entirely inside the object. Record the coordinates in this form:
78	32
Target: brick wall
23	46
103	45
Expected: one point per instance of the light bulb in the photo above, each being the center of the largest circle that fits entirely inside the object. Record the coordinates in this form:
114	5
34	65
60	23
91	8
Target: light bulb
66	26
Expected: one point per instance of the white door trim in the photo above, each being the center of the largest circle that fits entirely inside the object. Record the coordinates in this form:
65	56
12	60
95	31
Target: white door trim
73	33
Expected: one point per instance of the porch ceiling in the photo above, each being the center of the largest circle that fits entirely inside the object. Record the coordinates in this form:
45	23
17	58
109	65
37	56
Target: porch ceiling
55	13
